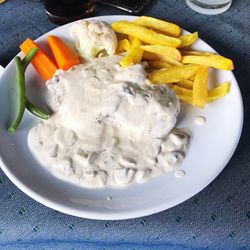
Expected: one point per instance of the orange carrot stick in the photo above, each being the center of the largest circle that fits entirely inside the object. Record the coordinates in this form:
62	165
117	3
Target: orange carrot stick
65	57
44	66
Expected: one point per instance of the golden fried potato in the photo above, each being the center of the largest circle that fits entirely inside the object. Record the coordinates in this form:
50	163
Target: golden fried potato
134	54
188	40
146	35
164	51
157	57
182	91
214	61
173	75
196	53
121	36
170	29
214	94
183	94
123	45
185	83
200	87
218	92
158	64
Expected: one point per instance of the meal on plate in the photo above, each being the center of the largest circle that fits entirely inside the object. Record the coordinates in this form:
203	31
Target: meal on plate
115	99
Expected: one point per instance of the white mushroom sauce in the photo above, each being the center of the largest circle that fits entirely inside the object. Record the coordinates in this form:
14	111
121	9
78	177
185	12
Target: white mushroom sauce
110	127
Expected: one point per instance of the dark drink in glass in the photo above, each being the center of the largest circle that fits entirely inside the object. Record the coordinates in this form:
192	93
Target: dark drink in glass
65	11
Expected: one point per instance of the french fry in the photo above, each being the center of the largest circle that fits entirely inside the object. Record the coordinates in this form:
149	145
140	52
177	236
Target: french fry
134	54
158	64
123	45
182	91
191	78
213	94
196	53
186	99
200	88
146	35
185	71
132	38
170	29
172	61
121	36
151	56
186	83
183	94
172	75
214	61
157	57
188	40
163	51
218	92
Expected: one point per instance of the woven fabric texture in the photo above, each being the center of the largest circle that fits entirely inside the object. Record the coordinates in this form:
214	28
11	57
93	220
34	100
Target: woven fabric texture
216	218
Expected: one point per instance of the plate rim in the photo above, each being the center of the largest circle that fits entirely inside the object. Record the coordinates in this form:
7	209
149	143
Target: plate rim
131	214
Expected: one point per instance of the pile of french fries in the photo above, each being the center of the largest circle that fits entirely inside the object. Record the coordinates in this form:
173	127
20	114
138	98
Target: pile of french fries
170	60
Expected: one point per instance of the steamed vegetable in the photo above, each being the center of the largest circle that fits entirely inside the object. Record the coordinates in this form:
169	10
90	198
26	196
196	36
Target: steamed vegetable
65	57
20	90
44	66
36	111
92	37
22	101
27	59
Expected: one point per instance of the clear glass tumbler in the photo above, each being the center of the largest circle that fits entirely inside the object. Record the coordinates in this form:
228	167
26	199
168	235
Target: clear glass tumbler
209	7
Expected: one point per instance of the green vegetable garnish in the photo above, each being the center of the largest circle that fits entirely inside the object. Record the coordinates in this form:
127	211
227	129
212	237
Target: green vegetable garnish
27	59
20	90
36	111
22	102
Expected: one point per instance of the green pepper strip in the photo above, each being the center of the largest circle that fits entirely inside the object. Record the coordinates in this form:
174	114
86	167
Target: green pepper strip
36	111
20	90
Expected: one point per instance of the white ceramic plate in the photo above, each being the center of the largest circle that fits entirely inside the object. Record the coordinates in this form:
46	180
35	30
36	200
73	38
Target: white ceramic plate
211	148
1	70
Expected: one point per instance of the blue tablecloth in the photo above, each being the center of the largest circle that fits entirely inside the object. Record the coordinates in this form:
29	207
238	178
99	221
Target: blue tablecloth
218	217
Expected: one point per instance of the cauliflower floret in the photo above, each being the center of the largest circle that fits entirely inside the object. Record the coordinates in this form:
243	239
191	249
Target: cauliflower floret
92	37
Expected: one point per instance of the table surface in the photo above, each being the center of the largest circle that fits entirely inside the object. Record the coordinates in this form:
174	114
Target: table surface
218	217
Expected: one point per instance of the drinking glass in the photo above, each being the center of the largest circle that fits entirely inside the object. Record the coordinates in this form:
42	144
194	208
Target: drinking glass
65	11
209	7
